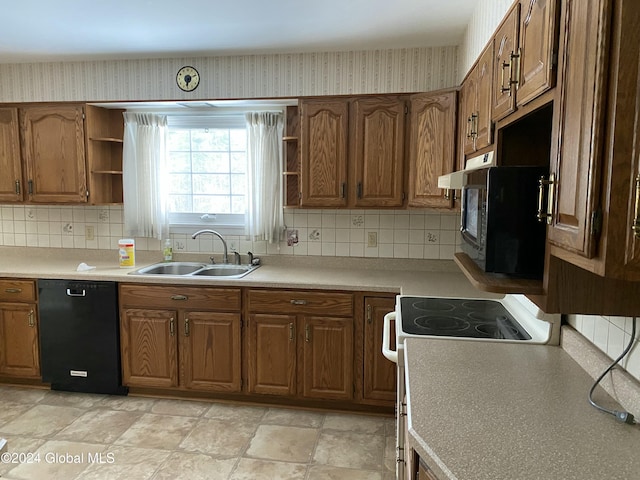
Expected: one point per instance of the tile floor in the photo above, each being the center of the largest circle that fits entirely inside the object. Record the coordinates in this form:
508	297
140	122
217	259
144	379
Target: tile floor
71	436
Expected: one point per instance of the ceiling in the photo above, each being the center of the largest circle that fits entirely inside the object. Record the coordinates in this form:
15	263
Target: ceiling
72	30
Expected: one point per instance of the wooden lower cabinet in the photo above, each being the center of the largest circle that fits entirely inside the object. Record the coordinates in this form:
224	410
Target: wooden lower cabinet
422	470
299	351
379	374
184	347
19	341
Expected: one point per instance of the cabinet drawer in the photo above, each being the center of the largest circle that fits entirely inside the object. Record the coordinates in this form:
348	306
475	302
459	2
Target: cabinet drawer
17	290
176	296
296	301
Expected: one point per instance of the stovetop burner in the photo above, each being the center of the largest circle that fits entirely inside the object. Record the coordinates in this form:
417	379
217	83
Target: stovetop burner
453	317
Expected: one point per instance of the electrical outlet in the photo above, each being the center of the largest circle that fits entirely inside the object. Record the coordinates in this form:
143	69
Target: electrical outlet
89	233
372	239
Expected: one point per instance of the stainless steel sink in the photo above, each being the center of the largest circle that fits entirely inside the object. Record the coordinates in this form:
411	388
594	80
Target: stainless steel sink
225	270
187	269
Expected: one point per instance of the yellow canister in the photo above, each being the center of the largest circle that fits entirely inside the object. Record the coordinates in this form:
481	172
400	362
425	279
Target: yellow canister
127	252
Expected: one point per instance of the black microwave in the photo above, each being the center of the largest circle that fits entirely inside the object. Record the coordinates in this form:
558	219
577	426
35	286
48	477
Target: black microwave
500	229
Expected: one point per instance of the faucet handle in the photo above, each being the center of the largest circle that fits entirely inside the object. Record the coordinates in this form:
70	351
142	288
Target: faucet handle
237	258
252	260
213	260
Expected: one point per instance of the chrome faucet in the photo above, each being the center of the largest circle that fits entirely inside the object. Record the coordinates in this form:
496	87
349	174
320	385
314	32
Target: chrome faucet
225	257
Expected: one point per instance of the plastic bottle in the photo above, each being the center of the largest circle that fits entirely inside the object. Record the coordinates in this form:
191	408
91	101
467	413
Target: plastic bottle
127	252
167	251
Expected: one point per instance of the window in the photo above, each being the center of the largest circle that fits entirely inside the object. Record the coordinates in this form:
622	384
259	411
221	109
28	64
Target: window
207	169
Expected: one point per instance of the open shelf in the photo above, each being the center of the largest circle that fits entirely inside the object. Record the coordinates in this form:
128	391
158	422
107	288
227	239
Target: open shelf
496	283
291	180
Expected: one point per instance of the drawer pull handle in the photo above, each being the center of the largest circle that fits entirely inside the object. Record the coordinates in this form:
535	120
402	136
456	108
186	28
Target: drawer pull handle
298	302
187	329
13	290
179	297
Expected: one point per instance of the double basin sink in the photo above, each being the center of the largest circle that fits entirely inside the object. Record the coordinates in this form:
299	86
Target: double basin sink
194	269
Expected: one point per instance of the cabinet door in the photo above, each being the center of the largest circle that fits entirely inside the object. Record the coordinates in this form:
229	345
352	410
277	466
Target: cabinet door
272	354
19	348
505	44
538	46
210	351
11	187
53	153
378	151
324	129
578	126
468	112
379	373
328	357
484	89
432	147
149	348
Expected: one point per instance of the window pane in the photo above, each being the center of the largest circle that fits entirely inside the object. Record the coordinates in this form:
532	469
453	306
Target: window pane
207	170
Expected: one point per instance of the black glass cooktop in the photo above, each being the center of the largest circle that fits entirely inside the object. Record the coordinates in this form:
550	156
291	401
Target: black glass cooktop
453	317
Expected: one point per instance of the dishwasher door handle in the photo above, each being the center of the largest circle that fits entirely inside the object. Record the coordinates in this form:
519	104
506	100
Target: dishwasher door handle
76	293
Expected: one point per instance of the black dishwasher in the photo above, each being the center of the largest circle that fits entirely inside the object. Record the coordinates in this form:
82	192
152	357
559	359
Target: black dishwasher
80	336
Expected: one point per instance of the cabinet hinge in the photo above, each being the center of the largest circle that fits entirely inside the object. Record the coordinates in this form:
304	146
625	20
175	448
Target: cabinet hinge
596	222
406	109
554	59
87	193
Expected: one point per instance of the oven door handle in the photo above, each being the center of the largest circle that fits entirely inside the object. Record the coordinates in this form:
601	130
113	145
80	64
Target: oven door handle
386	338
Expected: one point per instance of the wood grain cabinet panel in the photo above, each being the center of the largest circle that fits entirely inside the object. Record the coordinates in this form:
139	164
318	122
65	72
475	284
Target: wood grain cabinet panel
379	381
11	183
432	147
185	338
272	354
301	344
19	333
54	153
505	47
377	141
324	131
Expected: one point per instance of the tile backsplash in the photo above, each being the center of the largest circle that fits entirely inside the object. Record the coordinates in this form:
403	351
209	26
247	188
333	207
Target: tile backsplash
415	234
611	334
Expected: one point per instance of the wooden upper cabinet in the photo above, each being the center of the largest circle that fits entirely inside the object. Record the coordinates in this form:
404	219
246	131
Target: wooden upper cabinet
505	46
578	127
431	147
11	187
54	153
377	140
525	51
538	48
323	135
476	126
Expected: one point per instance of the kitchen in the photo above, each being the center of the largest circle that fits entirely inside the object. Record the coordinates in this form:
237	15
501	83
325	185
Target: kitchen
425	69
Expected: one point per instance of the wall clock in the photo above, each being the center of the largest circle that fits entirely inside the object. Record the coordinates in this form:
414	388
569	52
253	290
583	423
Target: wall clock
188	78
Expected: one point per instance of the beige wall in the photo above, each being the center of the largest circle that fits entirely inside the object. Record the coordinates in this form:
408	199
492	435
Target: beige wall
248	76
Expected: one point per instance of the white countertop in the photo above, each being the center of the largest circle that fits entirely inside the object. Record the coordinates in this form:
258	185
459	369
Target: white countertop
499	411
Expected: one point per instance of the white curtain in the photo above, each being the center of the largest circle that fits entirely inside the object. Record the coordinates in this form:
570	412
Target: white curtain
144	157
265	218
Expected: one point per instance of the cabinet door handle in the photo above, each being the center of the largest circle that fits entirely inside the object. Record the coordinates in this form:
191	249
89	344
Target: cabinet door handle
31	317
514	73
359	190
187	329
298	302
369	318
17	187
291	332
172	327
548	215
469	126
307	333
635	226
179	297
474	125
343	189
30	187
13	290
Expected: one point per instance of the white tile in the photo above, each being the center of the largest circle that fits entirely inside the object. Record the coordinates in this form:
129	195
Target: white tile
446	252
401	236
432	252
342	249
356	249
314	220
357	221
416	237
387	221
300	248
447	237
400	251
401	222
8	239
328	234
416	221
343	221
356	235
300	219
7	226
372	221
385	235
432	221
329	249
601	333
328	220
615	341
416	251
385	250
449	222
314	248
343	235
371	252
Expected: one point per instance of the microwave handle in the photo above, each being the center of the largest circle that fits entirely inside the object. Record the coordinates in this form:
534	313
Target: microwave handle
386	338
